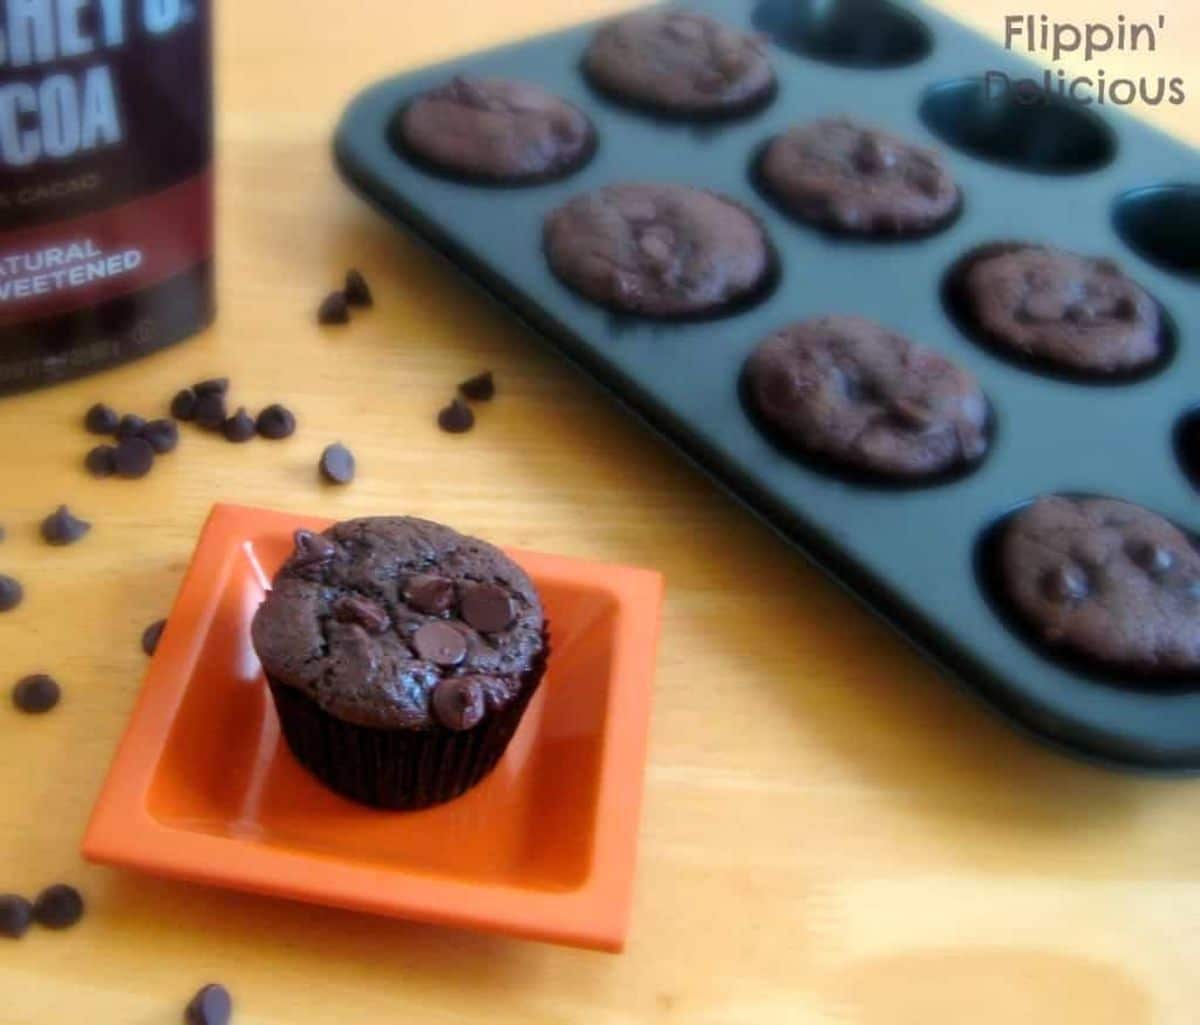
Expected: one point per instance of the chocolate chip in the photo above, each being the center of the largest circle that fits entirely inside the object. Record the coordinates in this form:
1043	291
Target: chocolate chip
440	644
276	422
871	156
240	427
355	609
312	550
430	594
480	388
152	635
101	461
11	593
130	426
456	418
101	419
459	702
357	291
133	458
183	406
212	1005
211	411
1066	583
36	695
61	528
333	309
1125	309
163	435
15	915
1081	313
1155	559
488	608
910	413
337	464
213	386
58	907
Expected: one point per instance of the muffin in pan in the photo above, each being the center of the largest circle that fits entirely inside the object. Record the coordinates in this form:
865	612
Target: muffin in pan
495	130
680	64
849	392
401	656
659	250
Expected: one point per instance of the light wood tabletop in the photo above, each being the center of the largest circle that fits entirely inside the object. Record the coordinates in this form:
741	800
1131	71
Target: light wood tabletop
831	834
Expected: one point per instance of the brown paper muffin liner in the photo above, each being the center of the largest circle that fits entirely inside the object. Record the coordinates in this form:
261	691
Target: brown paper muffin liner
399	769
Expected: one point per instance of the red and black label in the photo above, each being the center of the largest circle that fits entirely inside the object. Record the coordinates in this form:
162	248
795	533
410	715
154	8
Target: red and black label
105	178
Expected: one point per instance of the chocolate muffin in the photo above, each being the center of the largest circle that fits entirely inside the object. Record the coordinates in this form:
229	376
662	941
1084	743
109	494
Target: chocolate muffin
1107	581
496	130
680	63
401	656
849	391
1058	309
659	250
847	178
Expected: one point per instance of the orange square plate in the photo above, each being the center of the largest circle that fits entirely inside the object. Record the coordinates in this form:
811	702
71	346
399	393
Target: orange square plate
202	788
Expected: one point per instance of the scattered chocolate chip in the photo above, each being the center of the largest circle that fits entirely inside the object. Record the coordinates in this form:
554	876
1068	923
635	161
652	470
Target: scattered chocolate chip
58	907
276	422
100	461
211	1006
15	915
61	528
440	644
133	458
130	426
1153	558
312	550
333	309
337	464
101	419
11	593
456	418
488	608
213	386
430	594
239	427
163	435
357	291
183	406
480	388
152	635
211	412
1066	583
459	702
355	609
36	695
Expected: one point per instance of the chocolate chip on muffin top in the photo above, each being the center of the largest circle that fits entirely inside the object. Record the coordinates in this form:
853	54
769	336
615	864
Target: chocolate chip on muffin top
400	623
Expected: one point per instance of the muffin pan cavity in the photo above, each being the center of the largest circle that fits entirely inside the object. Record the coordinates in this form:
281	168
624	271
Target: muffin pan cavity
1055	137
1162	224
1187	445
908	552
860	34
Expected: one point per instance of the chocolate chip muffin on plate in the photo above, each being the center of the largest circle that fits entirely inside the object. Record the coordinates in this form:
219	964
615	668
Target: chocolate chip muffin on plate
401	657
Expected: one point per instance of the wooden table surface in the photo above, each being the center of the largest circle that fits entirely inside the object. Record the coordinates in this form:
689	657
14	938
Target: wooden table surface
831	832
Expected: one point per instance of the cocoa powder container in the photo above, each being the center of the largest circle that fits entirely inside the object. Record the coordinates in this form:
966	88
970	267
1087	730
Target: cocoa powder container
106	185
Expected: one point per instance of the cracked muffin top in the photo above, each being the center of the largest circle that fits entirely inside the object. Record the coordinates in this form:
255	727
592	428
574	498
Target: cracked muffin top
400	623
